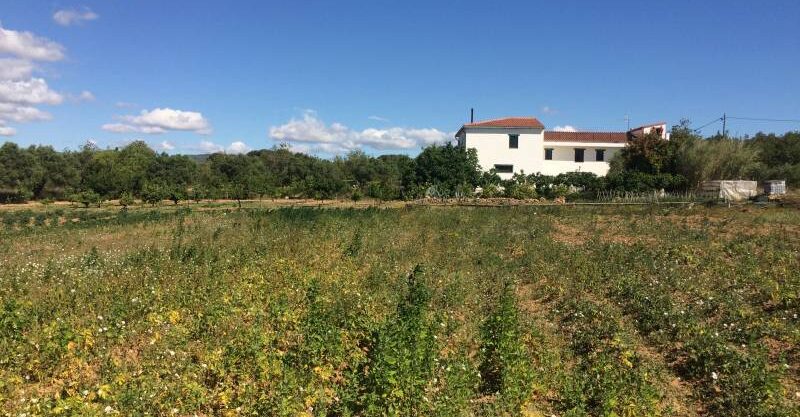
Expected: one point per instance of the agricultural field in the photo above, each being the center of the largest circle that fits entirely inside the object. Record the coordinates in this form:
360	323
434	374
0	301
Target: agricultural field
451	311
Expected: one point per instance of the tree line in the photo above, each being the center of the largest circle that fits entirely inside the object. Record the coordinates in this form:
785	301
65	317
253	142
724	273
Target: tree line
688	159
90	174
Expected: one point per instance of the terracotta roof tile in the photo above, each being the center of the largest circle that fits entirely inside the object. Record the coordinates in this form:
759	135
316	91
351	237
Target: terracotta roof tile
605	137
530	122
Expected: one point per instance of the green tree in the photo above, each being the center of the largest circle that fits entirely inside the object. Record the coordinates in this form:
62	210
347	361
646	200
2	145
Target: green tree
18	169
448	167
240	176
153	193
358	168
54	173
779	156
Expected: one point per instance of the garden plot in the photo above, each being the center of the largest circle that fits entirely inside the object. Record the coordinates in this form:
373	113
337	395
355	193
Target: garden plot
408	311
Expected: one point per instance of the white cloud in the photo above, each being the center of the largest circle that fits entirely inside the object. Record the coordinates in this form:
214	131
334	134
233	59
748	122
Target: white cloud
124	104
15	68
166	146
68	17
378	119
83	96
29	46
20	91
237	147
7	131
299	148
565	128
32	91
549	110
207	146
118	128
310	134
86	96
21	114
17	101
161	120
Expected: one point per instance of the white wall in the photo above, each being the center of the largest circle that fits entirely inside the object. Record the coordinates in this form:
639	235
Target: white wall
564	158
492	147
647	129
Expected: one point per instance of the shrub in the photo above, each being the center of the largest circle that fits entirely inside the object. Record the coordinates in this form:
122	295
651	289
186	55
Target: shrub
87	198
15	195
521	191
492	191
611	378
558	190
735	384
716	159
126	199
519	187
402	357
642	181
584	180
505	369
464	191
356	194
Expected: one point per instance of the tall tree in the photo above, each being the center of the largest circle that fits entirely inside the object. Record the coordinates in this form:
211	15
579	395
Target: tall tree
17	169
448	167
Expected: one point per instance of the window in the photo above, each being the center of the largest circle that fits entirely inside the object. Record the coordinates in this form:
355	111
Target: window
513	141
579	154
504	169
548	154
599	154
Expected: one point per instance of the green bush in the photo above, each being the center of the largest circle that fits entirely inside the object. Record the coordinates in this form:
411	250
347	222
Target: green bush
126	199
86	198
735	384
491	191
505	368
356	194
642	181
15	195
464	191
402	356
521	191
584	180
519	187
610	378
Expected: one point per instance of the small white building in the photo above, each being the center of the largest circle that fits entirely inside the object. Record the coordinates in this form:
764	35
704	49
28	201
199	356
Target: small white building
521	144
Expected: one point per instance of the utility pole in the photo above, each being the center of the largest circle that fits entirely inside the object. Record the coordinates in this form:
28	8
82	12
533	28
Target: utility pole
724	122
628	121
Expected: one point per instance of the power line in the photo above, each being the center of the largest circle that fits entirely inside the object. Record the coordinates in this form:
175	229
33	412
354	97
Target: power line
718	119
753	119
762	119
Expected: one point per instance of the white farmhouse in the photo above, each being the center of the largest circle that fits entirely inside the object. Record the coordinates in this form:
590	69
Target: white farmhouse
521	144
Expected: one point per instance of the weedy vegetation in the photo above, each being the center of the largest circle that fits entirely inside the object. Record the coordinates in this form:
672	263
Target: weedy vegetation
451	311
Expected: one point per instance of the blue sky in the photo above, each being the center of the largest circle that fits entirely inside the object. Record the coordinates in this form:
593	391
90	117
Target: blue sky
383	76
